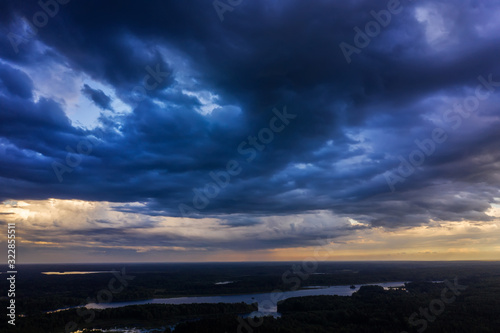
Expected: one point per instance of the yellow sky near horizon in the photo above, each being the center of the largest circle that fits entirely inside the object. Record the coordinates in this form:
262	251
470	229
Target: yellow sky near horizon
57	230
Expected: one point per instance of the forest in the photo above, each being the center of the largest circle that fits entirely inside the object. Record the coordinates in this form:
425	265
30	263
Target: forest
373	309
427	303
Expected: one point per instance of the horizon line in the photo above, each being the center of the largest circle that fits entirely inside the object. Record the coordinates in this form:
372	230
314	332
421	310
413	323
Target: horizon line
243	262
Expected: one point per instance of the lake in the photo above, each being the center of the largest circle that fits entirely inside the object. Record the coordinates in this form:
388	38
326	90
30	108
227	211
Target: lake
267	302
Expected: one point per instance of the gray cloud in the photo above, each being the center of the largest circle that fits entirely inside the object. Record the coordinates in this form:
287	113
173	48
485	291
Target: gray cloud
353	120
98	97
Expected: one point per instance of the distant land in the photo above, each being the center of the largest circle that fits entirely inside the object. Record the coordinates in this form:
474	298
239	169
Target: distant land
477	292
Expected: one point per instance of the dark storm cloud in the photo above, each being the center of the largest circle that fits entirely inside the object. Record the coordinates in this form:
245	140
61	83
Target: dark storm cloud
239	221
98	97
15	82
352	123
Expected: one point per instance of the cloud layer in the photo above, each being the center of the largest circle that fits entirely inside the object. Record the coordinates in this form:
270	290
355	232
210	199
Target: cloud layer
402	134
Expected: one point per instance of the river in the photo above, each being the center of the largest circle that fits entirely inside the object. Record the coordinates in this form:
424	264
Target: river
267	302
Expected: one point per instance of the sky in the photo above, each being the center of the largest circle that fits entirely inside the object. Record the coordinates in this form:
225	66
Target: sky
237	130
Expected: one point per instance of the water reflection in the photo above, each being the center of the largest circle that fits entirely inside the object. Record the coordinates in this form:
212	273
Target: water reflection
267	302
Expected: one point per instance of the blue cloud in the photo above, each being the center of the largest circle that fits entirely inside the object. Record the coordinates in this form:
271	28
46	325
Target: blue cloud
353	121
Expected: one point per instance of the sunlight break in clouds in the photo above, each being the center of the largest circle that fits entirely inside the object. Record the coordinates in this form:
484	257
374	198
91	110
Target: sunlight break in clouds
138	107
87	229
